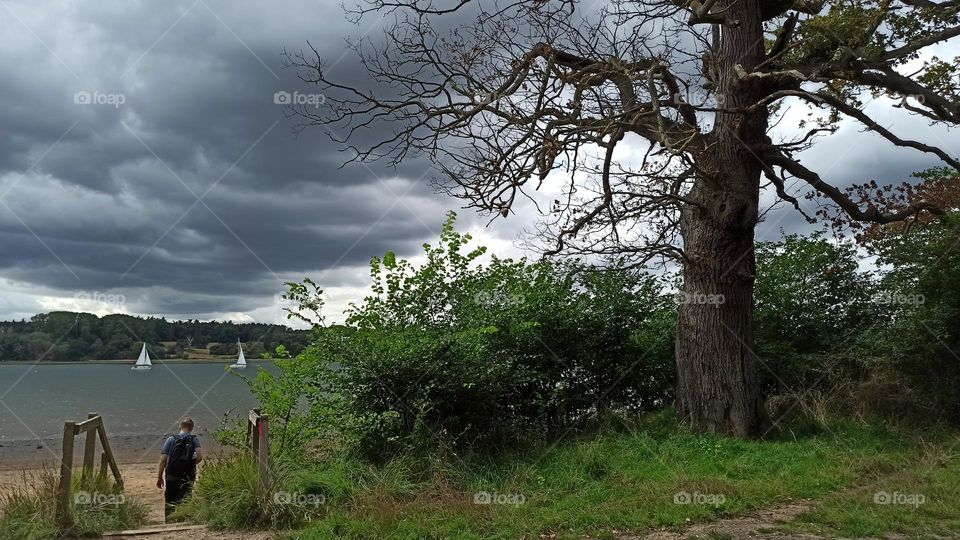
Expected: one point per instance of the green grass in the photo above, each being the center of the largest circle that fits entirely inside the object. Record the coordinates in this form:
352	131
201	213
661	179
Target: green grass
893	503
602	486
28	512
617	482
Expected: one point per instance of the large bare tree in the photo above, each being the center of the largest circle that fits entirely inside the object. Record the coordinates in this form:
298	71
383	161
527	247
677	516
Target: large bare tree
658	118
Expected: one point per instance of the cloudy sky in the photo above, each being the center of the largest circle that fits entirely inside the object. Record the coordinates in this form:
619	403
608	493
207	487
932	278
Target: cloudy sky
146	168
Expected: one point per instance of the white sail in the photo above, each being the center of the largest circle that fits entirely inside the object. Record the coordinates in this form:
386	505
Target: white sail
241	362
143	361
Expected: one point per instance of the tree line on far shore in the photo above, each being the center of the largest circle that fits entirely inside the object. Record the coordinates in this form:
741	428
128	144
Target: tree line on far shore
71	336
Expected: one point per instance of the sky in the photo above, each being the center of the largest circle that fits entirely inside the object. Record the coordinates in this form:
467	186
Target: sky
147	168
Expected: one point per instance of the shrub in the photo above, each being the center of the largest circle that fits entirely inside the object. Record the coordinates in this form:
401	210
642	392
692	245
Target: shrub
455	355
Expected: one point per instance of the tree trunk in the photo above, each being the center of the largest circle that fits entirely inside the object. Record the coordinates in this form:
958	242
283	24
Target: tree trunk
717	387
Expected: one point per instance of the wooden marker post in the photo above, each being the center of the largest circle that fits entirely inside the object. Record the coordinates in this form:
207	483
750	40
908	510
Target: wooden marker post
258	430
64	517
89	450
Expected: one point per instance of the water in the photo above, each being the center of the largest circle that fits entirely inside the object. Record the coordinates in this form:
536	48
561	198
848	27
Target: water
35	400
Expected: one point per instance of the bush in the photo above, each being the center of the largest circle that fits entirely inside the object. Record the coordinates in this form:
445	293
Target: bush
812	302
454	355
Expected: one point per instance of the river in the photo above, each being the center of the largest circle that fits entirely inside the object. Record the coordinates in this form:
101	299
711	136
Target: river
35	400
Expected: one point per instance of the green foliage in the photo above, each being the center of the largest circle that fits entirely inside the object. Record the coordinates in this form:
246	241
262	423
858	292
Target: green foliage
923	286
453	354
808	288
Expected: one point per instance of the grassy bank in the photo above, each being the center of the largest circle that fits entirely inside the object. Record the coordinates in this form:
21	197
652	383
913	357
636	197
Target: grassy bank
650	475
28	511
921	500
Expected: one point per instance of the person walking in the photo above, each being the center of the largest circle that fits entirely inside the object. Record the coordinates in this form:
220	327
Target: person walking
179	457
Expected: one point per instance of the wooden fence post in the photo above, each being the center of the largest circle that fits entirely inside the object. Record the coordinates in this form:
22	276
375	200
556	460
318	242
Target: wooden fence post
103	466
263	470
89	450
64	517
253	419
106	450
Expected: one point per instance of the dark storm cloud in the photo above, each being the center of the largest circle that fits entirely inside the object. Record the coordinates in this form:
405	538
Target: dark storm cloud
104	195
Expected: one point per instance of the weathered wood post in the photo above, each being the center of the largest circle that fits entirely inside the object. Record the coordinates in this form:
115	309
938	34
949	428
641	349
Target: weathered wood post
89	450
64	517
109	453
103	466
263	470
258	431
254	419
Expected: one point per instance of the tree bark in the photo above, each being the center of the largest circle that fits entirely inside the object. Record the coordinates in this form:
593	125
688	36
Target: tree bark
717	386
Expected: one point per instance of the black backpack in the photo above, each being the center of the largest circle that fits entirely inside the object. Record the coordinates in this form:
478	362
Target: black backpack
180	458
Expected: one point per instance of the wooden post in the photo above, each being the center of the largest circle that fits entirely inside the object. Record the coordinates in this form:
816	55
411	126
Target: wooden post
64	517
253	422
110	459
103	466
89	450
263	447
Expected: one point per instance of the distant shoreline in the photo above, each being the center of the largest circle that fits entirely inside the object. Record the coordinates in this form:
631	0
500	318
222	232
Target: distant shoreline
131	361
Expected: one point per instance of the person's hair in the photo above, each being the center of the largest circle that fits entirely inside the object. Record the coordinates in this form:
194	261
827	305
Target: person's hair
186	423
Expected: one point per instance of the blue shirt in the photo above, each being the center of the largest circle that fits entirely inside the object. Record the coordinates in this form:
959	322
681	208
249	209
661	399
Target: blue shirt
168	444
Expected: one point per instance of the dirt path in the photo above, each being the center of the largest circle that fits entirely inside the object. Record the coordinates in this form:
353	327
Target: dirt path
749	526
196	534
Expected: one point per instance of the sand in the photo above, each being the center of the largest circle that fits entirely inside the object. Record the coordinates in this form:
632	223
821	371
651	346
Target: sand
139	480
138	459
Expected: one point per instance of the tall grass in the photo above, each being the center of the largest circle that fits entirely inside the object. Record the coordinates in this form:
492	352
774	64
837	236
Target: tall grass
97	505
226	494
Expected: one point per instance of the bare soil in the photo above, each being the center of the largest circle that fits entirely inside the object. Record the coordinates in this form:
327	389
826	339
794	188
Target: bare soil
754	526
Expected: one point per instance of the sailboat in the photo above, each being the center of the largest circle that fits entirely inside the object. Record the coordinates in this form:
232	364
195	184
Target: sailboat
241	362
143	362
